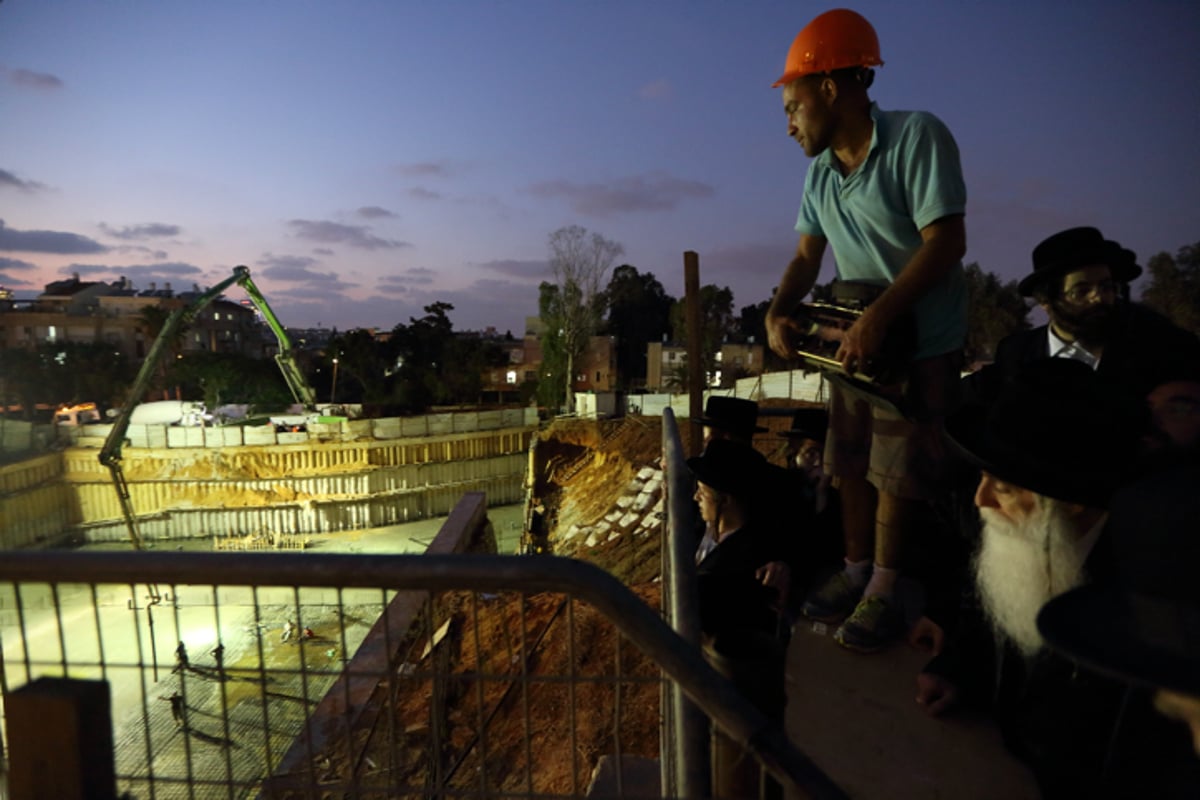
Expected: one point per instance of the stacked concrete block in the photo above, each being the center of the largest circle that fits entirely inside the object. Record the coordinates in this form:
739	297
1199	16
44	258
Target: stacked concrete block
386	428
413	427
259	435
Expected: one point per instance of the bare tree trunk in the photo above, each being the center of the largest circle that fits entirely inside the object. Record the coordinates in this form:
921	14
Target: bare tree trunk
570	393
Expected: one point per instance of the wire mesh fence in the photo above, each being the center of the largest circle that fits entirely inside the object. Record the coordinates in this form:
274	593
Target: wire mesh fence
309	675
223	690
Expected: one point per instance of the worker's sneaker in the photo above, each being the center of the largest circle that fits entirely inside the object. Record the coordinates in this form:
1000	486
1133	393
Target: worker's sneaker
833	600
874	624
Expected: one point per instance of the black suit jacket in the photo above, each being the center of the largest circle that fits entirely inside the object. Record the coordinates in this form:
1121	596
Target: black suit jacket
1080	733
734	605
1147	349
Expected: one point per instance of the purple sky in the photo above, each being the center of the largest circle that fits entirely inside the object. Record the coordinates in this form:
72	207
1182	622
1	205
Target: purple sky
365	159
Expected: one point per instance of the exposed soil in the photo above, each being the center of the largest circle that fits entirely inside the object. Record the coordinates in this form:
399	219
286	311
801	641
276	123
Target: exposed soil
542	732
500	670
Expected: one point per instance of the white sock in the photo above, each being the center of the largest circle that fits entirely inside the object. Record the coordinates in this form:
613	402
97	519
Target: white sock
883	582
858	571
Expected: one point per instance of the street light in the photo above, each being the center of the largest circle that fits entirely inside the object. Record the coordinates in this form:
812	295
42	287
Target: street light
333	387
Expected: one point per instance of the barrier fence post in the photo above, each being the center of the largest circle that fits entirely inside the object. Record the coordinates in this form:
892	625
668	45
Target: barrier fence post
60	740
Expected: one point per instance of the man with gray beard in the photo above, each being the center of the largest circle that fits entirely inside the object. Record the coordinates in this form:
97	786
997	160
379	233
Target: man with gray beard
1052	449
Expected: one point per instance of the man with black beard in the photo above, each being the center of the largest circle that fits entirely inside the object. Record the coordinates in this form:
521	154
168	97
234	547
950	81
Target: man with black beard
1080	279
1052	449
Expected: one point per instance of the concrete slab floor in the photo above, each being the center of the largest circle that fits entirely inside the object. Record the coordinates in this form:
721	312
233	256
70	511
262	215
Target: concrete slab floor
409	537
856	716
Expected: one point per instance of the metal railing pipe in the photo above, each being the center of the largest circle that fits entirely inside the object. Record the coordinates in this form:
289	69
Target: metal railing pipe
643	626
685	753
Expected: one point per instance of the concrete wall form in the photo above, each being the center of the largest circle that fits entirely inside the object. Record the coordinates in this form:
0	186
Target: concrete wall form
328	483
794	385
35	505
246	498
327	516
160	436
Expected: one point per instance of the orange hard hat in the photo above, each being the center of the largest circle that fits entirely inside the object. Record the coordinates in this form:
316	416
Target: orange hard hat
835	40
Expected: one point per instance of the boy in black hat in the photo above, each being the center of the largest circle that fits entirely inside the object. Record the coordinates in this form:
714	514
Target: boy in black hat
737	613
813	512
730	418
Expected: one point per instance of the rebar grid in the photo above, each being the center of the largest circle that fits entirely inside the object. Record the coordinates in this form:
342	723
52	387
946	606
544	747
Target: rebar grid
305	722
245	706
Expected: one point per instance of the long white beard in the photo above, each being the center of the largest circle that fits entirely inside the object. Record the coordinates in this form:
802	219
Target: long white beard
1021	566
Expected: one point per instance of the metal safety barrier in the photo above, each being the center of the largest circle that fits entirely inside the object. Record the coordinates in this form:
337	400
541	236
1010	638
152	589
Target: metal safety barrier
289	675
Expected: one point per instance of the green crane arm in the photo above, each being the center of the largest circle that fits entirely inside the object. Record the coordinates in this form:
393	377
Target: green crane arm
286	359
110	453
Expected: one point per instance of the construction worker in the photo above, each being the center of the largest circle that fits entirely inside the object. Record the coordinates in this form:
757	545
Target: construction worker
178	709
885	189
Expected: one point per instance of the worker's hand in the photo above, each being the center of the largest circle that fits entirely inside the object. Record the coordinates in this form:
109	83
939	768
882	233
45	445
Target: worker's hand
781	331
862	341
778	576
935	694
927	635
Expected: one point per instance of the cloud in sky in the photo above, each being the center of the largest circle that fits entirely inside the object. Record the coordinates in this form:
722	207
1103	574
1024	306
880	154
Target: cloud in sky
336	233
654	191
34	80
149	230
514	268
321	291
502	304
9	269
761	263
421	193
392	285
375	212
147	252
420	275
302	270
656	90
11	181
163	271
298	263
15	264
17	241
423	169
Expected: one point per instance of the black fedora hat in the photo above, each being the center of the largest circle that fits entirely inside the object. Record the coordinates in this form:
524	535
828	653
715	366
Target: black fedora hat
732	414
808	423
1076	248
732	467
1058	429
1145	627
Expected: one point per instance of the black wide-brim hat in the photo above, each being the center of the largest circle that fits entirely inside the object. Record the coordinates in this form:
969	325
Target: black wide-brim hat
808	423
732	467
1076	248
1134	637
1144	627
732	414
1058	430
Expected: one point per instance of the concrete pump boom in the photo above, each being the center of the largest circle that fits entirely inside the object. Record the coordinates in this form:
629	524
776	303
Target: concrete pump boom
110	453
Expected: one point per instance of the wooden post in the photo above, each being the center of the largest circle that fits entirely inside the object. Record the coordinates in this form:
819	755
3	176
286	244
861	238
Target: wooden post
695	359
60	741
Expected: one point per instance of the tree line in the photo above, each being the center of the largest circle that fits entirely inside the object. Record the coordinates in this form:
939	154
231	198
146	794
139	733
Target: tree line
425	362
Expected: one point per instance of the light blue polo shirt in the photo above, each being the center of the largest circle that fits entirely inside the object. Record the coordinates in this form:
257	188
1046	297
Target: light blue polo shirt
873	217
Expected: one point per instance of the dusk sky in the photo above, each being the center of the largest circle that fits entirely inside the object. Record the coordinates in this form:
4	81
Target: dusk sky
366	159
